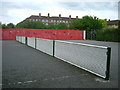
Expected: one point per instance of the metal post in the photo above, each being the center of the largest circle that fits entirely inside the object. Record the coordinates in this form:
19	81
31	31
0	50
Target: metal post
53	48
108	63
26	40
35	43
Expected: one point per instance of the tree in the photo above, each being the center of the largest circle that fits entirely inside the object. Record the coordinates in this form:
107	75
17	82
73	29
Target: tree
86	23
0	25
75	24
104	22
61	26
51	26
31	25
10	25
4	26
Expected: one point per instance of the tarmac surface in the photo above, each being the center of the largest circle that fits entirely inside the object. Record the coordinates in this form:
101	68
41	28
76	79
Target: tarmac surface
0	65
25	67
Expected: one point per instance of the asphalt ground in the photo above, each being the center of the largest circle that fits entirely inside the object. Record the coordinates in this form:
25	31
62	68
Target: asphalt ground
25	67
0	65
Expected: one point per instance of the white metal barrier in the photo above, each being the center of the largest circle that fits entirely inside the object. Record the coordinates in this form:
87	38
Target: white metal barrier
31	42
17	38
92	58
23	39
45	45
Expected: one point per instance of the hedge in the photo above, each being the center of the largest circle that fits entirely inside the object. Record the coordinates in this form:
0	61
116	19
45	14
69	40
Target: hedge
108	34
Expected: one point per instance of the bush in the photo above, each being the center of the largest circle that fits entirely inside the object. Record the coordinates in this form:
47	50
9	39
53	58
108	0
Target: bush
31	25
108	34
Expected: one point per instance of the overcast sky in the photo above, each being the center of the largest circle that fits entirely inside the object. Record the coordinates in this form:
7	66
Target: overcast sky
15	11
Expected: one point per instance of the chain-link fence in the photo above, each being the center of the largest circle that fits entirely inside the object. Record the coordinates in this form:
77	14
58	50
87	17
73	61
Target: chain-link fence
88	57
92	58
91	34
44	45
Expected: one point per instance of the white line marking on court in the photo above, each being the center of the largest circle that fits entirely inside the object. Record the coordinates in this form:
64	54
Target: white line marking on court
19	82
63	77
46	79
1	84
30	81
101	80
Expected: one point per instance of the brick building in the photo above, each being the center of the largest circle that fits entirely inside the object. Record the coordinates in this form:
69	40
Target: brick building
113	23
47	20
50	19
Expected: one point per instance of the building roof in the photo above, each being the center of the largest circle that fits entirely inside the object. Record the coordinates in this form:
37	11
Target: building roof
113	22
45	17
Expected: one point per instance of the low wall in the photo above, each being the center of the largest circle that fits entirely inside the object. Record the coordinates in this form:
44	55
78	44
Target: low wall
44	45
31	42
10	34
92	58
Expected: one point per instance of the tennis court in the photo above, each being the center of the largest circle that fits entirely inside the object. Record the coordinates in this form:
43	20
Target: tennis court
24	66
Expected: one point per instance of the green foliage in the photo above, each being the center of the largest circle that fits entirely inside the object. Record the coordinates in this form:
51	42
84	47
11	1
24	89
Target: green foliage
86	23
108	34
104	23
10	25
61	26
4	26
31	25
51	26
0	25
75	24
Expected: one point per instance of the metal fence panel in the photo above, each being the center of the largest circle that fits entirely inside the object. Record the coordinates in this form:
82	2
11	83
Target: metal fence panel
20	38
31	41
17	38
45	45
88	57
23	39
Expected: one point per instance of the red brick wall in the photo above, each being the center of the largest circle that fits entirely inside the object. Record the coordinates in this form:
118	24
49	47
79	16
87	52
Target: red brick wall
10	34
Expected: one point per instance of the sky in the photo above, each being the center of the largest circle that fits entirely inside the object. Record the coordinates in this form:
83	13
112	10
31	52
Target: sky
14	11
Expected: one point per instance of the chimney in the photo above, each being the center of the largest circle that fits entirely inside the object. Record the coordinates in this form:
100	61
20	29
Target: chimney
109	20
95	17
105	19
39	15
76	17
69	16
48	15
59	15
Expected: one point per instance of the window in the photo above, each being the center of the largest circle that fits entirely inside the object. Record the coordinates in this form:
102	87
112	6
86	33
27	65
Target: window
33	20
46	24
46	20
43	20
54	20
51	20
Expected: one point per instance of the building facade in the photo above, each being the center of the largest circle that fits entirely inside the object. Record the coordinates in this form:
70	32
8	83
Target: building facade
113	23
47	20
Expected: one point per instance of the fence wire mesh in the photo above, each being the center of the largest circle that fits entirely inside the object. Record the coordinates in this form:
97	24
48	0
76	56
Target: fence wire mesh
45	45
90	58
93	58
31	41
